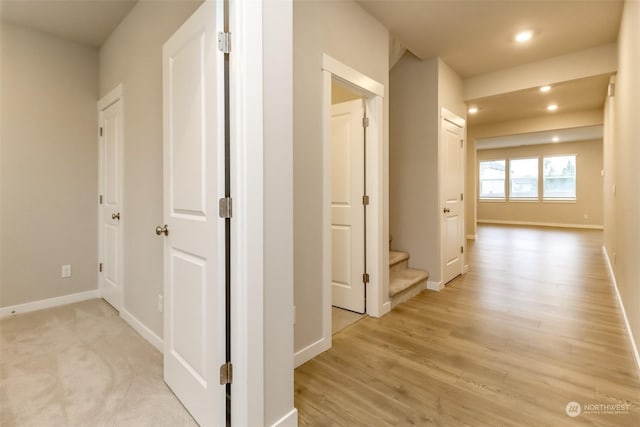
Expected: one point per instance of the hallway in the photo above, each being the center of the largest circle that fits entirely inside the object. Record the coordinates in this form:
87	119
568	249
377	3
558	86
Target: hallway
534	325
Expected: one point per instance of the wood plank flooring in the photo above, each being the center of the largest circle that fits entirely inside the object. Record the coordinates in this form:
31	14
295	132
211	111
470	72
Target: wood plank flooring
533	326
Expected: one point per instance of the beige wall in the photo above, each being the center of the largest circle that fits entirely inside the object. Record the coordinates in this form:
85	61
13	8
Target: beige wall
48	166
514	127
344	31
588	187
623	226
418	90
132	55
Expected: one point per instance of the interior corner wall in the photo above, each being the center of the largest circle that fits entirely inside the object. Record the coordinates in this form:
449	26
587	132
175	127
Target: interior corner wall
625	149
344	31
413	162
48	169
132	55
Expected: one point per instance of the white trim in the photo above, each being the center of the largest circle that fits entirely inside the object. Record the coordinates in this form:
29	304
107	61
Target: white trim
541	224
311	351
465	269
247	228
374	94
289	420
48	303
351	77
435	286
472	236
634	346
142	329
386	307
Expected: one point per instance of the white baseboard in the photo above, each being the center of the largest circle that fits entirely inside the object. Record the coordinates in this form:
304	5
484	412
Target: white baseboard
435	286
48	303
472	236
541	224
386	307
465	269
144	331
311	351
634	346
289	420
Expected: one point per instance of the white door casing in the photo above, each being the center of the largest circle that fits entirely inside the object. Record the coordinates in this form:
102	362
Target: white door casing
451	194
110	215
347	210
194	275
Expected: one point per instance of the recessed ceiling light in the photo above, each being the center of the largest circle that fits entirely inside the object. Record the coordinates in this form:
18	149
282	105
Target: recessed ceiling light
545	88
552	107
524	36
555	139
473	110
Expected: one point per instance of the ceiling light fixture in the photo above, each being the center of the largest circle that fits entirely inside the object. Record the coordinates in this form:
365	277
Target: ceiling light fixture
524	36
552	107
473	110
555	139
545	88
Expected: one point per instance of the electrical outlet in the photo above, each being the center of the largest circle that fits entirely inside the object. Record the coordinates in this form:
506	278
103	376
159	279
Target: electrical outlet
586	216
66	271
615	258
160	303
294	314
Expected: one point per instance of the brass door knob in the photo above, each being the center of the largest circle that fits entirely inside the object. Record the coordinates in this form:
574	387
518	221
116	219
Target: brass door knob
446	210
162	230
115	216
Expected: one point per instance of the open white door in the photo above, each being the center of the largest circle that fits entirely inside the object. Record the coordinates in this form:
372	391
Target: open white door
194	275
451	191
347	210
110	198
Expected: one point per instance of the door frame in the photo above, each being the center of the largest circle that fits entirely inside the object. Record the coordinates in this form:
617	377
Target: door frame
115	95
373	94
461	123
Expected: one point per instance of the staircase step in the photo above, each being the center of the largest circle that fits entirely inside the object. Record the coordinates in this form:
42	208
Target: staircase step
396	257
401	280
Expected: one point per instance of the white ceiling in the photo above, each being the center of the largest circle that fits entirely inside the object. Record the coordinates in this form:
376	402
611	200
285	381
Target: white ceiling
587	133
477	36
88	22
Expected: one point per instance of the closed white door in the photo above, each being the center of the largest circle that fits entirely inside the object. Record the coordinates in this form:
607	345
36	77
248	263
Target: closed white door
452	206
194	276
110	199
347	209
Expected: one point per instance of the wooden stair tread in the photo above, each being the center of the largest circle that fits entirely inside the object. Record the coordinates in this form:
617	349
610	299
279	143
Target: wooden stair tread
404	279
396	257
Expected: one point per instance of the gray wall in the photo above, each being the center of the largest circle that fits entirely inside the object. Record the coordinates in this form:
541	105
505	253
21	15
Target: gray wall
343	30
48	166
132	55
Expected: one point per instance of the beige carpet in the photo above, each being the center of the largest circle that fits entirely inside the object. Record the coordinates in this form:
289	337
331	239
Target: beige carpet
81	365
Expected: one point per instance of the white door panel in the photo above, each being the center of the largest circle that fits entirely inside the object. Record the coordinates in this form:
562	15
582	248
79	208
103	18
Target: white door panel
110	169
347	211
452	204
194	316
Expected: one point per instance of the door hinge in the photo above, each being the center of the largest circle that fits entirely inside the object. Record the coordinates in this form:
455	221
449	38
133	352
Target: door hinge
365	278
224	42
100	199
100	130
365	200
461	197
461	249
224	207
461	143
612	90
365	122
100	267
226	374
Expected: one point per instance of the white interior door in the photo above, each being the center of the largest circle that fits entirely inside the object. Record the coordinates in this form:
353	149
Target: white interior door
110	199
194	275
451	190
347	210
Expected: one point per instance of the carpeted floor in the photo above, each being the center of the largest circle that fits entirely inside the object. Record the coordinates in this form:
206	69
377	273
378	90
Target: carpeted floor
81	365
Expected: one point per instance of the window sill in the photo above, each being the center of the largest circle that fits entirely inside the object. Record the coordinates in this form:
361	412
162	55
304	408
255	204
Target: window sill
523	200
570	201
492	200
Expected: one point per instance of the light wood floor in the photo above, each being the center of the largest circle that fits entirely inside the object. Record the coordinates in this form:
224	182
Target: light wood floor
533	326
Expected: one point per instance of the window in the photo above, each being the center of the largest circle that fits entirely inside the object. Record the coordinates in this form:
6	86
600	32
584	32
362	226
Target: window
492	179
523	182
559	176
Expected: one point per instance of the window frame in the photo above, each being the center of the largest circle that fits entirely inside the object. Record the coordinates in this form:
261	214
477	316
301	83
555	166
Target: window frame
502	199
535	199
574	199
